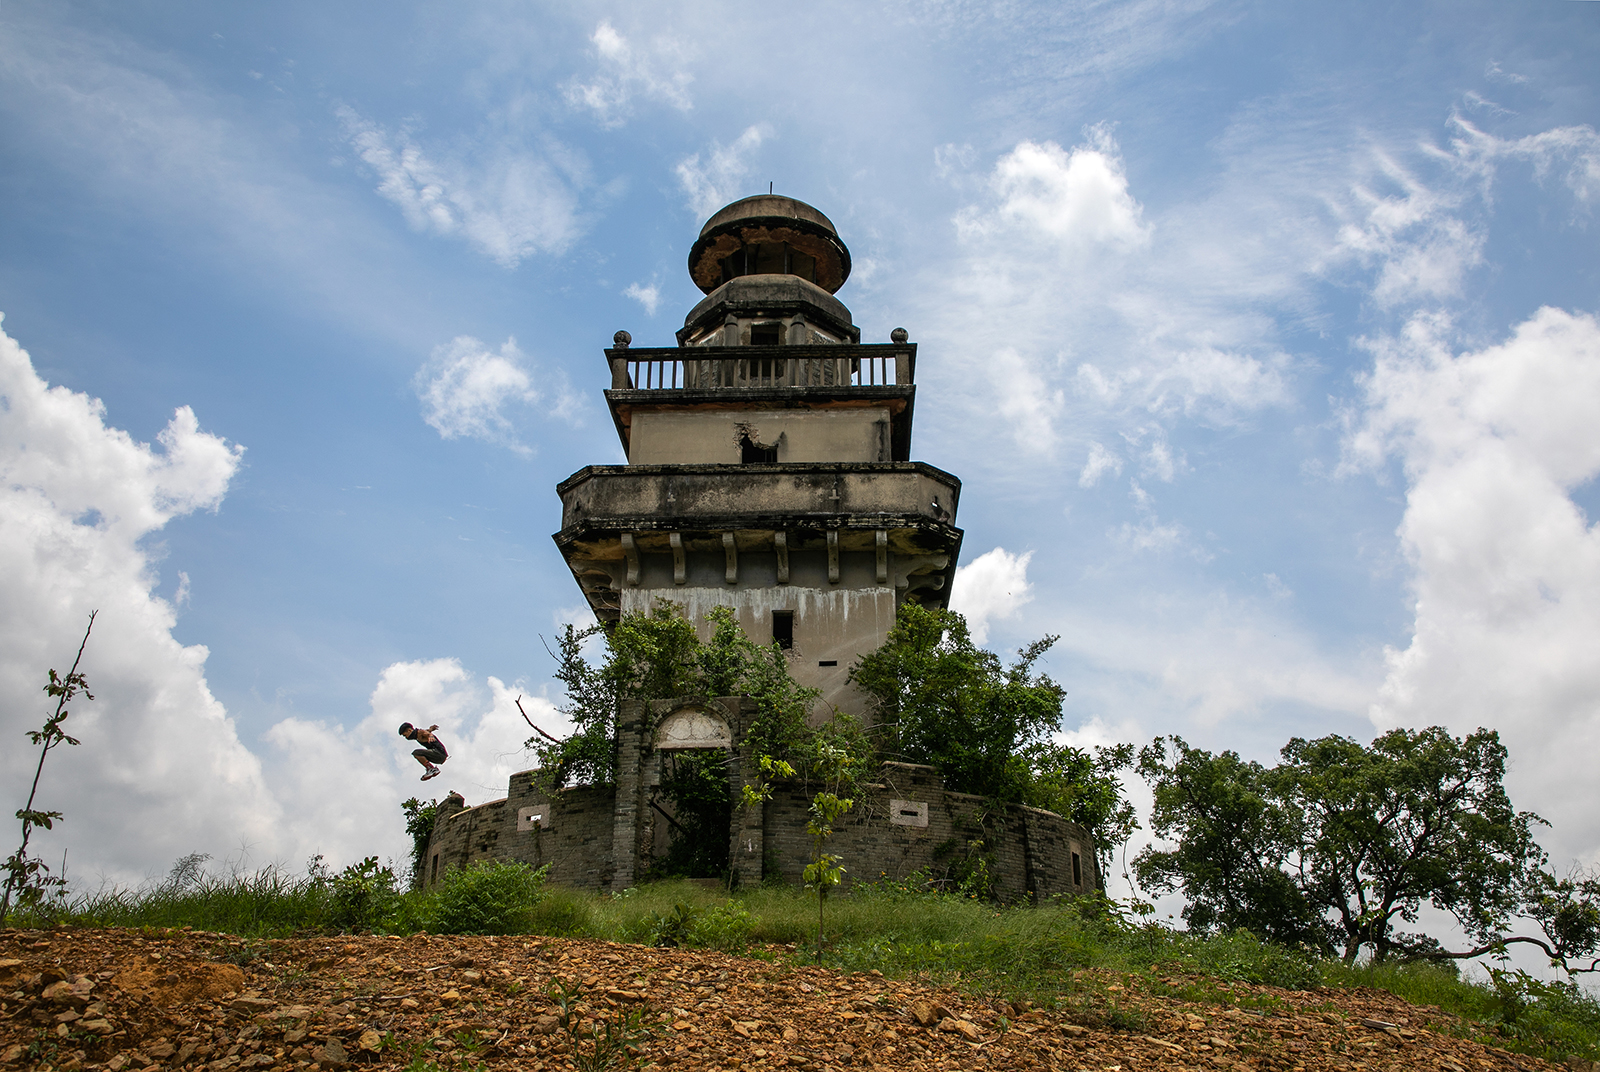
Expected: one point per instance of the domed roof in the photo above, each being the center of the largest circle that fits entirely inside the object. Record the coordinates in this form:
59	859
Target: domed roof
769	221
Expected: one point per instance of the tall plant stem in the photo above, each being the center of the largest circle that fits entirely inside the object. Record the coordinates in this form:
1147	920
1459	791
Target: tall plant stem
49	742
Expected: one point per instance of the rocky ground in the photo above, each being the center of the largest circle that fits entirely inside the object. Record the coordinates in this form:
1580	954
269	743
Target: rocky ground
74	999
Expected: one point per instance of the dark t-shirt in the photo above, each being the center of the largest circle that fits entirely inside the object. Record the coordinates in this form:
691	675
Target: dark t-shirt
431	740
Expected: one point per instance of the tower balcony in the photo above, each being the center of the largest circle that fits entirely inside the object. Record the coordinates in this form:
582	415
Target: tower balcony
886	523
754	378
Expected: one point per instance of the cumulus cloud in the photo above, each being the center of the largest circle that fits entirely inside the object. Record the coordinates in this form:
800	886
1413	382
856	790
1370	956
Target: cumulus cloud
720	179
1047	195
509	203
346	781
627	71
161	771
1506	566
992	586
467	391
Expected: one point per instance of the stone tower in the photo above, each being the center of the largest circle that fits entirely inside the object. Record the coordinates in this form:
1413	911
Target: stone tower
768	471
768	459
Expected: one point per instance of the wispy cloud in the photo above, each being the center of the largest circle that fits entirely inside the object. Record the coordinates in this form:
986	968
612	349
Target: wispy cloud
469	392
720	179
647	296
654	71
508	203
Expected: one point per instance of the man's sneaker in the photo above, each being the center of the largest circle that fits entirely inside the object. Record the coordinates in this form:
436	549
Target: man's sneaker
433	772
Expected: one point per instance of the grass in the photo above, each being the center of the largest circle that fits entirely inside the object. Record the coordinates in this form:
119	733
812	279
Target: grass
1061	954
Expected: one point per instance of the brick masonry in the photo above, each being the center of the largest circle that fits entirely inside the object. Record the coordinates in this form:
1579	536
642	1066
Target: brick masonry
903	823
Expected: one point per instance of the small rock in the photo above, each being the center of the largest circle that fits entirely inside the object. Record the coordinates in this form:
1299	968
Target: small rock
921	1011
99	1026
965	1028
1074	1030
546	1024
409	1003
161	1050
451	997
332	1055
117	1063
370	1041
471	976
13	1053
251	1005
790	1035
681	1025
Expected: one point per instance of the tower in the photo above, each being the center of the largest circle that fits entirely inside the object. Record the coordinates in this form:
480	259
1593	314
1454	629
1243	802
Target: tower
768	459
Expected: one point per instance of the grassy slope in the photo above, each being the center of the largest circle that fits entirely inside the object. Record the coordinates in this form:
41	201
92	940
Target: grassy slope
1030	953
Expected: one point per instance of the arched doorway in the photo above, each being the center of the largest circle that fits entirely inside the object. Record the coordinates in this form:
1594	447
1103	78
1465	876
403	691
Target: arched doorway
692	798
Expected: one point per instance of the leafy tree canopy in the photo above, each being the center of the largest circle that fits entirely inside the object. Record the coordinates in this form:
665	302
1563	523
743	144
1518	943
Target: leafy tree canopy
1341	843
989	728
659	656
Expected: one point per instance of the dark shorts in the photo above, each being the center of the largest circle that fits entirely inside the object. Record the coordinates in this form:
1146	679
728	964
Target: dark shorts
432	755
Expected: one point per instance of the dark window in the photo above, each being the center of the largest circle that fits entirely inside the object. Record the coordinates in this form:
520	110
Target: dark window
753	453
829	662
434	877
1077	870
766	334
783	628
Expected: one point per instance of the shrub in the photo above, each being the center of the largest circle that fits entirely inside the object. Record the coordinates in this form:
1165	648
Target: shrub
486	898
726	927
364	897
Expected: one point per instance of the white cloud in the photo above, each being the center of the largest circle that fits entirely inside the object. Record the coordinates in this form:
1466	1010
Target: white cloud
510	204
466	390
1048	195
626	71
1100	462
721	178
161	771
993	585
1506	565
649	297
347	782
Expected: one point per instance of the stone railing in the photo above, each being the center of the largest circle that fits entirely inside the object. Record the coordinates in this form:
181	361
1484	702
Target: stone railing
761	367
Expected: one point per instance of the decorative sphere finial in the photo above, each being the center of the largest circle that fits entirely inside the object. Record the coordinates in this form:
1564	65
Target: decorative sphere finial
899	335
621	340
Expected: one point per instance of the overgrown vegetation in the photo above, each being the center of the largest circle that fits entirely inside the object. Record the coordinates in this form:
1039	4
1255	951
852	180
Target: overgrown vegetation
1064	953
989	728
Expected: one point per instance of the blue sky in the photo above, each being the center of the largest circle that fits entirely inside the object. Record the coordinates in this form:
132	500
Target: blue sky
1262	336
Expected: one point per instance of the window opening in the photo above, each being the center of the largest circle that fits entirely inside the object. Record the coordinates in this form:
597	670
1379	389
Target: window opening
753	453
434	870
1077	870
766	334
783	628
828	662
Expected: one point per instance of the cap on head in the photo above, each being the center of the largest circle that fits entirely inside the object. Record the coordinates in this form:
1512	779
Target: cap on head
405	729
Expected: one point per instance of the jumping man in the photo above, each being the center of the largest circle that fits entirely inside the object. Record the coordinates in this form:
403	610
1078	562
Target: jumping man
432	750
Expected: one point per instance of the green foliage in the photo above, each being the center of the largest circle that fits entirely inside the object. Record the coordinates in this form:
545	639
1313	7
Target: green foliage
1340	843
697	784
659	656
989	728
835	767
29	884
419	827
485	898
948	703
364	897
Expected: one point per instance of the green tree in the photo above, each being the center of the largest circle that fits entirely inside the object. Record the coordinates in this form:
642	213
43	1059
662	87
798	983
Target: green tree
28	879
1341	843
1236	834
989	727
419	818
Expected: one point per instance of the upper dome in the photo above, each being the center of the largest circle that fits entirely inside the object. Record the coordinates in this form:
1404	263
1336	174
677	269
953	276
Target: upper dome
769	235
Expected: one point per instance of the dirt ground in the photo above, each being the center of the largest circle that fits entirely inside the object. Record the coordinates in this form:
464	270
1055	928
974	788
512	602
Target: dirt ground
78	999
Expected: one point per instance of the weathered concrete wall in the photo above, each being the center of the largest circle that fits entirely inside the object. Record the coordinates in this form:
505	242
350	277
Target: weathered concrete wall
832	625
1030	850
904	823
837	435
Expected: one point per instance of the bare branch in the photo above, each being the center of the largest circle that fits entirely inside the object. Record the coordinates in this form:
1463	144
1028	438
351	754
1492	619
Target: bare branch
529	721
